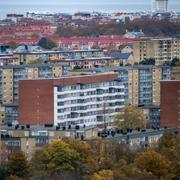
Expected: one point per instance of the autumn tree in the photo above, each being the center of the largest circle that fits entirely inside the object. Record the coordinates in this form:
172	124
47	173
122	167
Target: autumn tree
152	162
131	117
57	156
88	163
12	45
17	164
125	171
169	146
103	175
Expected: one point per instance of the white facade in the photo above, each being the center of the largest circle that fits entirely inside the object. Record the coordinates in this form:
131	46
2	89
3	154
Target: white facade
87	104
160	6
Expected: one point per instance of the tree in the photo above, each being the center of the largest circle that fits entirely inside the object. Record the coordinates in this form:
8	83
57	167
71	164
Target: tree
175	62
57	156
13	45
88	163
150	61
2	173
123	170
17	164
77	67
169	146
47	43
152	162
103	175
132	117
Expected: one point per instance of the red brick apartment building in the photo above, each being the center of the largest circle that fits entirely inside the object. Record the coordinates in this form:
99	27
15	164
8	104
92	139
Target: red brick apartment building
170	103
69	101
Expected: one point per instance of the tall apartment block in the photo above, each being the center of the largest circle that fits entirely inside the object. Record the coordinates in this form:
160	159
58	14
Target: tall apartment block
160	6
142	83
10	76
162	50
142	88
9	83
71	101
170	103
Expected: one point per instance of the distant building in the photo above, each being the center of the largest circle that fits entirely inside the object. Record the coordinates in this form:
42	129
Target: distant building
126	48
163	50
134	34
14	17
170	103
160	6
71	101
29	54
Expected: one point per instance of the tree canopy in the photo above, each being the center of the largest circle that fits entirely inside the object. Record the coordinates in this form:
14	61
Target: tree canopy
17	164
153	162
46	43
131	117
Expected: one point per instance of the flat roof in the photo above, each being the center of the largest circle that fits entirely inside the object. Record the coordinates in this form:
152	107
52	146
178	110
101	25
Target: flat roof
10	66
57	52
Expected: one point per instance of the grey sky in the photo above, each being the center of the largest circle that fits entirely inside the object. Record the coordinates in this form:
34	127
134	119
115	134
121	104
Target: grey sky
82	1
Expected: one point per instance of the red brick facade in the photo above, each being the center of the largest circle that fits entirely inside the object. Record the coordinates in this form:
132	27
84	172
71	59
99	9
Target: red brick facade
36	97
170	104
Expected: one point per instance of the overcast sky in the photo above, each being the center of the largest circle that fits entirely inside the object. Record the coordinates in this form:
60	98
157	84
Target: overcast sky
82	1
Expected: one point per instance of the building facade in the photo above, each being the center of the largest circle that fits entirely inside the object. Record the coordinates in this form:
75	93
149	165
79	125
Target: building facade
170	103
71	101
11	74
30	57
160	6
9	84
142	83
162	50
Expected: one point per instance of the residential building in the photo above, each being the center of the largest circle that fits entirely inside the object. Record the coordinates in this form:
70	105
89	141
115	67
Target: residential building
126	48
11	74
142	83
28	139
9	84
117	59
8	59
160	6
170	103
2	115
162	50
175	73
141	87
141	139
71	101
134	34
124	58
30	57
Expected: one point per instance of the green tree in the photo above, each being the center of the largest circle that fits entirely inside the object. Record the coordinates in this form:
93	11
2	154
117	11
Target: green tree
131	117
17	164
47	43
152	162
150	61
2	173
175	62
